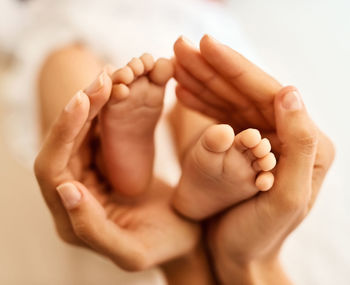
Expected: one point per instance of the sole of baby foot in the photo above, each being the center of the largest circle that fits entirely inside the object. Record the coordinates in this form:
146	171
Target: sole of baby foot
222	170
129	120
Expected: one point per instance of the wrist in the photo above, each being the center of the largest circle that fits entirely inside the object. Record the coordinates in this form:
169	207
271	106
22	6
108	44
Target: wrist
192	268
252	272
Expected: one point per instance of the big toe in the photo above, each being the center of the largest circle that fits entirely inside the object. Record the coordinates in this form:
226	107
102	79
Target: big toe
163	70
218	138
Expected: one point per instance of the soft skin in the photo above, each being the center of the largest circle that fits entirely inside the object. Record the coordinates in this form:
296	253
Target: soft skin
135	234
222	170
245	241
256	261
129	120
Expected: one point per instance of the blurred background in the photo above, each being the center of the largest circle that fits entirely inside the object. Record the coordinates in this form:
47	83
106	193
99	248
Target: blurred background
304	43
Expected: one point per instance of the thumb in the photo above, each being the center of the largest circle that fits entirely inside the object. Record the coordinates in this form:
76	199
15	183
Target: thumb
91	224
298	136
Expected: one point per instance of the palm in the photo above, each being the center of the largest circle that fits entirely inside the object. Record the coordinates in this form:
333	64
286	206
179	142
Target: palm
149	222
221	84
252	232
134	233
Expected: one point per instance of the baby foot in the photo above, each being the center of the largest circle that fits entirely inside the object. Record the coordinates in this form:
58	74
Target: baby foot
128	122
222	170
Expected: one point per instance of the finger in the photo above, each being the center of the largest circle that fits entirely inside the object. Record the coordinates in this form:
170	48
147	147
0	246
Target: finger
324	158
186	80
91	225
190	58
298	136
98	93
239	71
57	148
192	102
249	79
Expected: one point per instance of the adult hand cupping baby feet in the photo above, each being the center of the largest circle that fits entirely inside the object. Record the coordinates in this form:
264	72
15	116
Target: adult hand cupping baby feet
245	240
136	233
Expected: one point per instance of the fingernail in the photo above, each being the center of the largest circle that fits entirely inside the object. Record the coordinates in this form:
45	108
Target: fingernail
69	194
186	40
292	101
213	39
96	85
75	101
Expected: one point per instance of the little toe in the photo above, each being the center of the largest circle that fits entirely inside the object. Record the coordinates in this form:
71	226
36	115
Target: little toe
119	93
247	139
148	62
264	181
218	138
266	163
124	75
262	149
163	70
136	66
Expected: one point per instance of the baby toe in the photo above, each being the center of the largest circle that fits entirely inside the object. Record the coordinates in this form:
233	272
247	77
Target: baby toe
218	138
262	149
137	66
119	93
248	139
264	181
148	62
265	163
163	70
124	75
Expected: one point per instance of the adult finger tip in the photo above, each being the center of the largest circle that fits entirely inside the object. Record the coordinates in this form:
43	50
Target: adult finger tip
207	42
70	195
182	43
289	99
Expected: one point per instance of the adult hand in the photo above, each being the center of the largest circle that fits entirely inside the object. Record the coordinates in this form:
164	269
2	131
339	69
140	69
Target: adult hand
219	82
135	234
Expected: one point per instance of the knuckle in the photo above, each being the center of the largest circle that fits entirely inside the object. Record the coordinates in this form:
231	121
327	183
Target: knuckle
139	261
87	231
68	237
39	169
307	139
209	77
82	230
